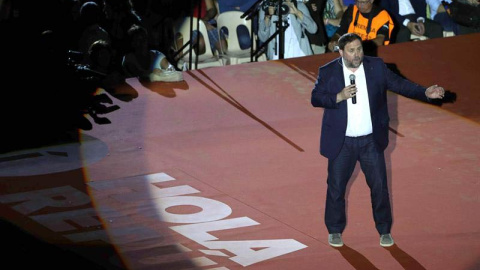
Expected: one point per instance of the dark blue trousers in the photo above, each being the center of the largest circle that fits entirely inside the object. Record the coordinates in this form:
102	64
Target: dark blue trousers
340	169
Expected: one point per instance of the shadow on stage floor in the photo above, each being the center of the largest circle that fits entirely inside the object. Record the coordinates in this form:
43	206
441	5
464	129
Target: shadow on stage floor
222	171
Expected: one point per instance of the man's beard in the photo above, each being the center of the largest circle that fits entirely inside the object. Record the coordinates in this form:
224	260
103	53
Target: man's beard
353	64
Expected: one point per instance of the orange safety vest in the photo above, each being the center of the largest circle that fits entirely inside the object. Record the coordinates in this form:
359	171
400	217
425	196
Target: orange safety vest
367	28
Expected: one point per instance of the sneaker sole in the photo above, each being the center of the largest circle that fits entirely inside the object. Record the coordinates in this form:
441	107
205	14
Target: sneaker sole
387	245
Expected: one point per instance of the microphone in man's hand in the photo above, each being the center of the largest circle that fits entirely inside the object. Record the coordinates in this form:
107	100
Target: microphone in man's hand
352	81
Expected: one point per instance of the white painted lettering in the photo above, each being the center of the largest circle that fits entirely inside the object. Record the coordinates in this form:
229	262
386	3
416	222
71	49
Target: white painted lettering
56	221
199	232
211	209
155	193
247	252
35	200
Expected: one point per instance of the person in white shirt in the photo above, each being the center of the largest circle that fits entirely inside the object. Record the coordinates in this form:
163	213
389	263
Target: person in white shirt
411	18
439	14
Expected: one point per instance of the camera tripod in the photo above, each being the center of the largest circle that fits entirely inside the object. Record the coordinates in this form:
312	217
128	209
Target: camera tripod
281	26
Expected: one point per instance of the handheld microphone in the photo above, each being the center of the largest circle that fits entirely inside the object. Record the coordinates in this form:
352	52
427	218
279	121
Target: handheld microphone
352	81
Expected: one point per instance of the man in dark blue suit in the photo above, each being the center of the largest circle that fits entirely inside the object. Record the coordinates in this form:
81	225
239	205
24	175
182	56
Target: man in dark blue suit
411	18
358	130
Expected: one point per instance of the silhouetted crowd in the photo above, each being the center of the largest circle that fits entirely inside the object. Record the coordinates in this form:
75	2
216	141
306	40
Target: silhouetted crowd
57	53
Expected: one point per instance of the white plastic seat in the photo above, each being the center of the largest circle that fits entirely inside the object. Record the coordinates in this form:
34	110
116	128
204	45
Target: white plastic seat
207	59
232	22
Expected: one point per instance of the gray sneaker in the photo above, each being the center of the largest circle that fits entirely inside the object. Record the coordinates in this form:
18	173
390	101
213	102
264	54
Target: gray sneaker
386	240
167	75
335	239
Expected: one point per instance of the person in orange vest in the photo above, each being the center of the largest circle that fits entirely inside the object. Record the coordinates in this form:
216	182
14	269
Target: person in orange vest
371	22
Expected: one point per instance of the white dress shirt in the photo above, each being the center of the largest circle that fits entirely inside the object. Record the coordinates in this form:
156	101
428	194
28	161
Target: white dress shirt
404	8
359	119
434	4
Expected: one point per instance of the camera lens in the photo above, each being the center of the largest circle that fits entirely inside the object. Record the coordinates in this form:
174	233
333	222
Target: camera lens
284	9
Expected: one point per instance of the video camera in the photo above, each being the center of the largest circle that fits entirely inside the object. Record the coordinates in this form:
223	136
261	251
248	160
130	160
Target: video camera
284	9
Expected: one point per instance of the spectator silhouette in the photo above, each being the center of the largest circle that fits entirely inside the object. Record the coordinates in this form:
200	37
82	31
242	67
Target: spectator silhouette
145	63
318	40
119	17
62	111
89	26
100	62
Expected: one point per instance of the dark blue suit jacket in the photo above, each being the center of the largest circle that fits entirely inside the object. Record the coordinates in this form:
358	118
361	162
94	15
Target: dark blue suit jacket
392	6
379	79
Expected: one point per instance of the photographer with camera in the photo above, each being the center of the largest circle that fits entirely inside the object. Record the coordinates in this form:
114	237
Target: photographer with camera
295	19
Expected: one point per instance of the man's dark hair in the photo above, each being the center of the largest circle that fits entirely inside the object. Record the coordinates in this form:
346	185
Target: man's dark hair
136	29
347	38
96	47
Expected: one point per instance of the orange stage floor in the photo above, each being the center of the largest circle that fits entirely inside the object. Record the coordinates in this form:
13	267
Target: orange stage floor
222	171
